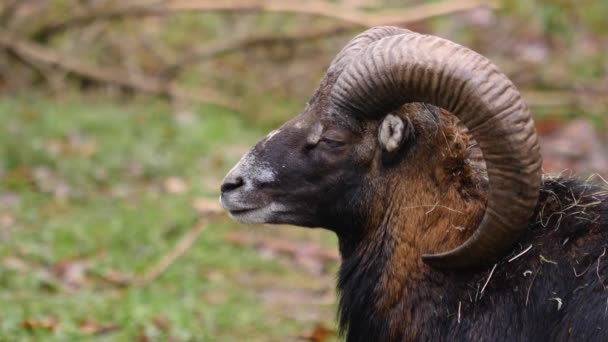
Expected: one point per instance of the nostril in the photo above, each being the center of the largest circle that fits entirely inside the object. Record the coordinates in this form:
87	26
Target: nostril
231	184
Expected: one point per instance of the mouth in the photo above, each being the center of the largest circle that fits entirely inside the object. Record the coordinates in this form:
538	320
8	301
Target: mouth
236	212
252	215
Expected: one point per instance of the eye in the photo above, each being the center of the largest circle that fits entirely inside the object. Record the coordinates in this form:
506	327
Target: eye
330	139
331	142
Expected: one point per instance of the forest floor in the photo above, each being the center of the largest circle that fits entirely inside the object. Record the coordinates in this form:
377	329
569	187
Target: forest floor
93	193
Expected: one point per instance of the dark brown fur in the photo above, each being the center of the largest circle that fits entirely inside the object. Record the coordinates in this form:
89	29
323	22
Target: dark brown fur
433	205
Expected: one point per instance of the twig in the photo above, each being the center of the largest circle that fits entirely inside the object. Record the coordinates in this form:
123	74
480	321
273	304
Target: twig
334	11
224	47
520	254
115	76
487	281
206	213
599	176
168	259
7	11
312	7
46	30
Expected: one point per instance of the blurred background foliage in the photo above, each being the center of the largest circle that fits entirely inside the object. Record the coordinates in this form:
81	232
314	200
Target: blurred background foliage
118	120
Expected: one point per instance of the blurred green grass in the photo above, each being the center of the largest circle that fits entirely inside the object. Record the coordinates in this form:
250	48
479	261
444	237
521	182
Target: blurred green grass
88	176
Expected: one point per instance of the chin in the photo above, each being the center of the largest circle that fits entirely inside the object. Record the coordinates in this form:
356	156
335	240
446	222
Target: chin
266	214
273	214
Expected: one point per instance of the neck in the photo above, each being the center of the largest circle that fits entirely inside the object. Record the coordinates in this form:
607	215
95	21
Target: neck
387	292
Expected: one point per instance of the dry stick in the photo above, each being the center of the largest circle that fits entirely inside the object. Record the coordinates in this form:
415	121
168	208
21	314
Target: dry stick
116	76
487	281
427	11
313	8
184	244
520	254
349	15
7	10
224	47
332	10
48	29
160	86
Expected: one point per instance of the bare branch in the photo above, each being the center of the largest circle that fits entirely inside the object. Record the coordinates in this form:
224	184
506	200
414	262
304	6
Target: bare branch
224	47
7	10
115	76
331	10
347	14
79	20
183	245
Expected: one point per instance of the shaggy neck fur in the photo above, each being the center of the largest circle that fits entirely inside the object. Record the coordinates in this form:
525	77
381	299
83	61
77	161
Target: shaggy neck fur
387	292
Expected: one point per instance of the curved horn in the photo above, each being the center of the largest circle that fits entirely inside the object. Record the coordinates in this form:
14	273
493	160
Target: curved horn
360	42
417	68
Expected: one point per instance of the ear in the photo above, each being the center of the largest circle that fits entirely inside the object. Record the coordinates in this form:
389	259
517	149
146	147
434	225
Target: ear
394	132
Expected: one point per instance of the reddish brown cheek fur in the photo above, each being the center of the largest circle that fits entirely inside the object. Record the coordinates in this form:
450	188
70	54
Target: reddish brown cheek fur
431	207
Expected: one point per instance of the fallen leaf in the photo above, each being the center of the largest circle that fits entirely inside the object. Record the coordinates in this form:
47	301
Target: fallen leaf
74	144
15	264
54	147
134	169
175	185
546	126
161	323
88	149
117	279
214	296
47	181
207	206
320	333
22	174
89	327
7	220
142	337
72	273
49	324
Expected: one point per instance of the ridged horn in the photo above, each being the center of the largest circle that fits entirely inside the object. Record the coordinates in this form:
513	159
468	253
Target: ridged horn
412	67
360	42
